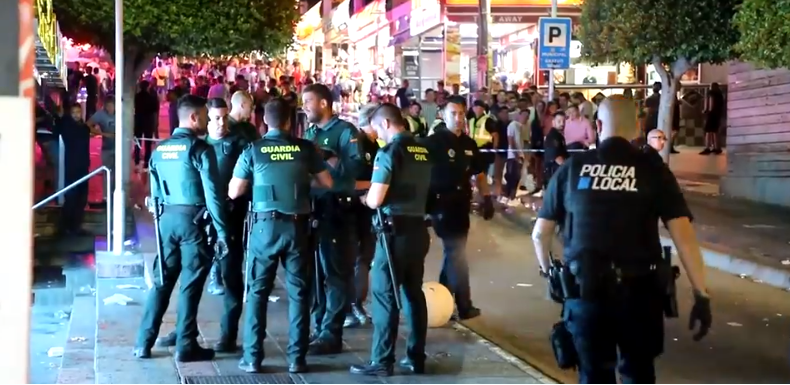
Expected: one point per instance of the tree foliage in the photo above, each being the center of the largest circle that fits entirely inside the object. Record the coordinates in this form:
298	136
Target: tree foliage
646	31
764	26
182	27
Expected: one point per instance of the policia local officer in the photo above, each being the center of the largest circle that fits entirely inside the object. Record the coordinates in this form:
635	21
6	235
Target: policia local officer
399	188
456	159
358	287
279	168
184	178
334	210
614	300
227	148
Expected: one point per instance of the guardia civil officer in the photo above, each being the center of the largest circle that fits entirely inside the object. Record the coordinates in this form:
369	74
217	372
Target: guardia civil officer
608	202
227	148
184	180
334	209
399	188
366	240
278	169
456	160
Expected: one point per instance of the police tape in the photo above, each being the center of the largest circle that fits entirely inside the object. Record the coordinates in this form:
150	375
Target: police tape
138	141
526	150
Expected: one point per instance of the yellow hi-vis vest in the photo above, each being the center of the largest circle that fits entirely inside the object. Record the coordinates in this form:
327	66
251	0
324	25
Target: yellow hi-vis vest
435	124
414	124
477	130
381	143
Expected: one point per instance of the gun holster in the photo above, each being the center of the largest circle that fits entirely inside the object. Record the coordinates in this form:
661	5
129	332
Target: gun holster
562	344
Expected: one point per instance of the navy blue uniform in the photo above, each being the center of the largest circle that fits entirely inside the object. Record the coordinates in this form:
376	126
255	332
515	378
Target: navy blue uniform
608	202
76	143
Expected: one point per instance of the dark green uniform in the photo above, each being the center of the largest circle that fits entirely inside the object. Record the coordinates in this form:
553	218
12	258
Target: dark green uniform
183	178
358	288
243	128
279	167
334	210
405	166
229	269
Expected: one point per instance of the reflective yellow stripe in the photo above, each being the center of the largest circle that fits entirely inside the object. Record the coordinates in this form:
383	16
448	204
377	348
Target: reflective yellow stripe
479	133
381	142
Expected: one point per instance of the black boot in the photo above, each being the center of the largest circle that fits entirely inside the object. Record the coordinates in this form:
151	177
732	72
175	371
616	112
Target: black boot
372	369
215	280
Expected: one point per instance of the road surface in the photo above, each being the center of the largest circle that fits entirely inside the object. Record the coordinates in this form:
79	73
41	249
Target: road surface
748	342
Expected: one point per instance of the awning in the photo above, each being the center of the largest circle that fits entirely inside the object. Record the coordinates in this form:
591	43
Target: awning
400	38
51	66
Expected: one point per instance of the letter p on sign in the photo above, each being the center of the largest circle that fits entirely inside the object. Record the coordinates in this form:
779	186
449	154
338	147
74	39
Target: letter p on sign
554	35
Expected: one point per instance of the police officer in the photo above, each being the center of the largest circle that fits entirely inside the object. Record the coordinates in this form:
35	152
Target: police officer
278	169
227	148
482	128
358	287
336	216
401	178
456	160
183	178
608	202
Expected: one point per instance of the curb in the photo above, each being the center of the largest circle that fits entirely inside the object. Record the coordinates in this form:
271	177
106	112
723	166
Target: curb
77	363
725	262
728	263
505	355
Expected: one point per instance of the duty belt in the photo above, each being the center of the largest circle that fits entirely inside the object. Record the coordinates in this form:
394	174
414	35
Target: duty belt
276	215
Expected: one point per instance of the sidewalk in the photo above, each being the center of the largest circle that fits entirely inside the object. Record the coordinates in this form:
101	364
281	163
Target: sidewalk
737	236
455	353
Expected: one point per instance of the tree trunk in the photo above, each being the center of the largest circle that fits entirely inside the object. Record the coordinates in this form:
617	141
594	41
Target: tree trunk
670	85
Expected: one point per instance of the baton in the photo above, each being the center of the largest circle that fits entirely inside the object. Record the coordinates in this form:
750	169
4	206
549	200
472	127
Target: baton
316	253
159	257
248	234
382	233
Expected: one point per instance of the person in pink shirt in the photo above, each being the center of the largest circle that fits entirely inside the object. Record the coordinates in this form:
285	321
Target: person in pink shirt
579	133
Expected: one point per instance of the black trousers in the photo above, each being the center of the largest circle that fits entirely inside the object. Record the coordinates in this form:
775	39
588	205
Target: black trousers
232	272
75	200
336	256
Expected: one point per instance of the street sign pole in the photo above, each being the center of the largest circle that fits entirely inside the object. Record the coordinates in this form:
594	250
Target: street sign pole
550	96
554	45
121	144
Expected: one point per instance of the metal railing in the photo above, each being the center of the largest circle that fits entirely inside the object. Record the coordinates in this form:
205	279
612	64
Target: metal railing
84	179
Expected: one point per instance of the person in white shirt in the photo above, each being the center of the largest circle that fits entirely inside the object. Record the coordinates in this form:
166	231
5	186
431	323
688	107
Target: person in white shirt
218	90
515	158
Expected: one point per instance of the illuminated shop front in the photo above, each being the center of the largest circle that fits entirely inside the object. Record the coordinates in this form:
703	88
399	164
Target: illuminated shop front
50	68
309	39
336	51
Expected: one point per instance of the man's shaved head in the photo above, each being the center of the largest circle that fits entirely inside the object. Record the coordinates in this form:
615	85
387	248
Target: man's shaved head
618	118
241	105
238	98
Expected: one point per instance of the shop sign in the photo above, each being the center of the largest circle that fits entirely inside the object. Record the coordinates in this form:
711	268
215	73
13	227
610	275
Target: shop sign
426	17
366	22
508	19
47	29
310	21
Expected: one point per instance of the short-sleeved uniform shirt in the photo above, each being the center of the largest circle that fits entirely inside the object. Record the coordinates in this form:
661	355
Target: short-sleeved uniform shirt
456	159
609	200
404	165
341	138
280	167
554	146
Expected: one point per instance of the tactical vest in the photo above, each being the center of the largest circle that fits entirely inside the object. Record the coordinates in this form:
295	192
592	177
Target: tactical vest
178	178
417	127
281	175
228	150
612	218
477	130
408	192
